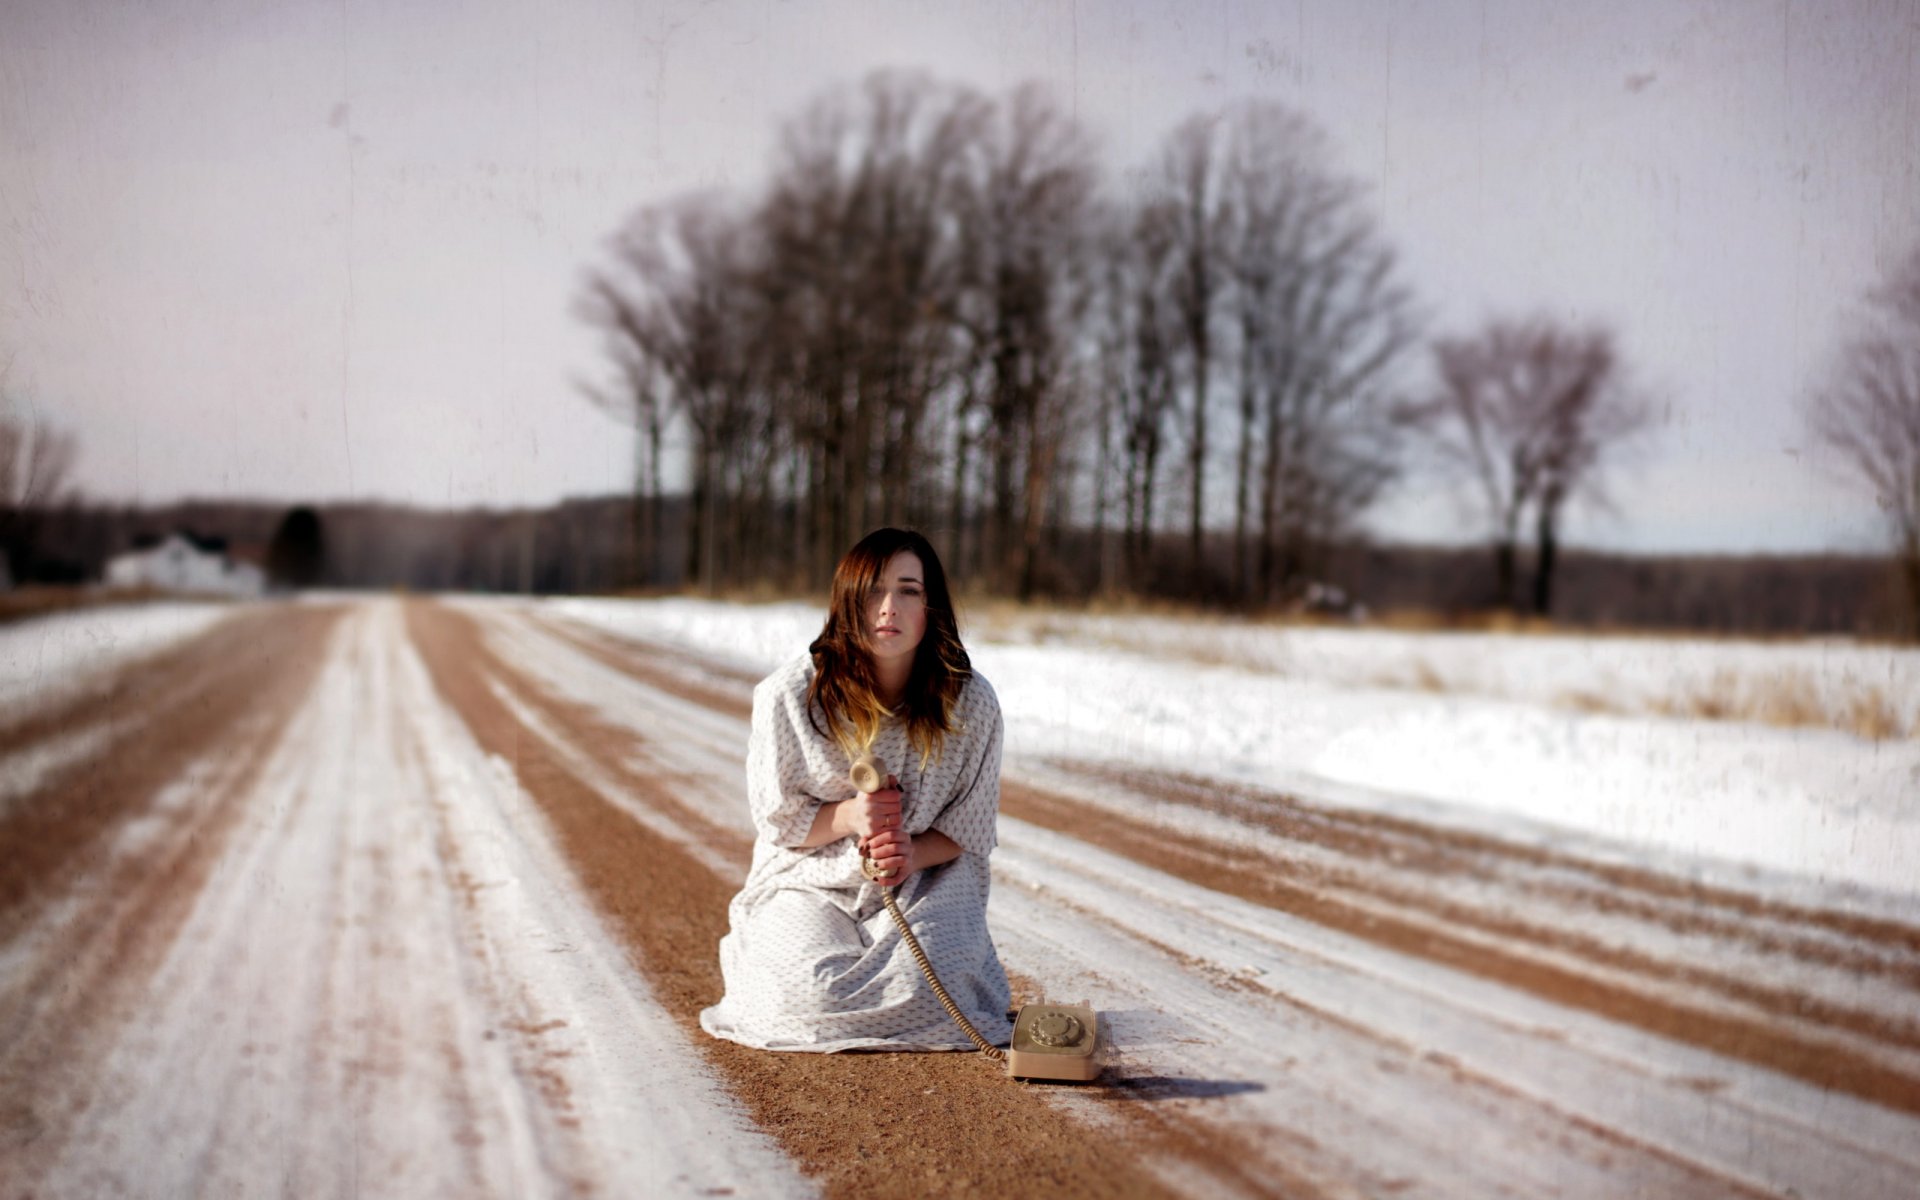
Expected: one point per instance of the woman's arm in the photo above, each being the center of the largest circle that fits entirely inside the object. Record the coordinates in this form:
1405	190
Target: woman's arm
971	818
931	849
825	826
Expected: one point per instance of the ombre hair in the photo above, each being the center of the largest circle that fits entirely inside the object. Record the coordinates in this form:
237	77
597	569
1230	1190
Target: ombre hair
843	688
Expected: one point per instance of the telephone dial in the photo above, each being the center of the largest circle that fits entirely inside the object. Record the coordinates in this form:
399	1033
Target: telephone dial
1055	1042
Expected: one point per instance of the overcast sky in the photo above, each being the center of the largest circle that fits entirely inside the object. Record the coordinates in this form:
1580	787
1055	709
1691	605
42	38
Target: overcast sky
306	251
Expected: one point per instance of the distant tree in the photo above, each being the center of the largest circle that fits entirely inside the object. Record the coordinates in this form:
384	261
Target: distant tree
677	307
934	312
866	264
1532	410
1188	207
34	462
1138	338
638	397
297	555
1255	273
1028	284
1323	322
1867	409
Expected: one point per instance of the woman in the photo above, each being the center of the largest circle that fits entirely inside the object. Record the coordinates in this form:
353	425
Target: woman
813	961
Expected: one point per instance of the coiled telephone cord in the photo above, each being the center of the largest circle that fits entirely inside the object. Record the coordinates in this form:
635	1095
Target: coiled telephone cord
926	968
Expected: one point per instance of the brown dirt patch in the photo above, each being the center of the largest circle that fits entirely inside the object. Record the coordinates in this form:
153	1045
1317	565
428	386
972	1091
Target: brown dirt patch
613	749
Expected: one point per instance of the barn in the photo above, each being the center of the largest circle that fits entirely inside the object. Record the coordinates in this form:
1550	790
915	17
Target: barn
183	562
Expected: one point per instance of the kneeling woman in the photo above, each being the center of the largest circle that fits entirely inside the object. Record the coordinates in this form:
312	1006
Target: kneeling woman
813	961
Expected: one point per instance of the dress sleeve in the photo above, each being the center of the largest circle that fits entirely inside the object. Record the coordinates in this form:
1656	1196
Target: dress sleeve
779	789
972	817
777	775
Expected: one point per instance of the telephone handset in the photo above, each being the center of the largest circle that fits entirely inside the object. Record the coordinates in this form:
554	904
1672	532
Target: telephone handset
867	774
1059	1042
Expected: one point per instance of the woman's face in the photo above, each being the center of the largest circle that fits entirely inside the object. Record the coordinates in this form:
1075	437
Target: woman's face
896	611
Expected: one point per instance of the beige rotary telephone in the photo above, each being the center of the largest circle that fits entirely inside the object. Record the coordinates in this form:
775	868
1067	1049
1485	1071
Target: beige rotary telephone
1056	1042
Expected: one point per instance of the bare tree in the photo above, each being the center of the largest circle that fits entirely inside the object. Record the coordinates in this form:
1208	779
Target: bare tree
1531	409
930	313
35	460
1322	322
1029	277
1867	409
1190	206
863	280
1138	338
678	311
639	396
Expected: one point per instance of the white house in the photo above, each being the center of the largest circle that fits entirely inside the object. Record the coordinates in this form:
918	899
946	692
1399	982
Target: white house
181	564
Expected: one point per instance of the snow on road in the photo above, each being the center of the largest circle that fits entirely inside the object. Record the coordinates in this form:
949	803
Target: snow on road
387	986
1394	1062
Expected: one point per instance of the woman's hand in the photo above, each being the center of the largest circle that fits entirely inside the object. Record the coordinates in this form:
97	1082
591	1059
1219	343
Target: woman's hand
869	813
899	854
859	818
892	854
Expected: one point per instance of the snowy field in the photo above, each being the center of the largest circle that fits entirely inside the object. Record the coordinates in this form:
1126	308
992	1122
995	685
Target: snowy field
1480	730
311	906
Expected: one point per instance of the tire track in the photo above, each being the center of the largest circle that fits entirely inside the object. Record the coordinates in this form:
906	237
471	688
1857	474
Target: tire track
717	686
105	863
199	687
1821	1062
1685	905
1384	1054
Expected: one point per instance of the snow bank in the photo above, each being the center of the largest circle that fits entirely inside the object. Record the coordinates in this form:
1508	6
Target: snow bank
1823	806
1812	681
46	655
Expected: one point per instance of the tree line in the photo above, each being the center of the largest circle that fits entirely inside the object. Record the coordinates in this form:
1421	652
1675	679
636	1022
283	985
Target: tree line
942	309
585	546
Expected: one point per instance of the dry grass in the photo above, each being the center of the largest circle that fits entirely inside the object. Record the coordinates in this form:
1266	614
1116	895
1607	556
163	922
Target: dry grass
1789	700
1426	620
1591	703
1720	698
1872	716
1424	678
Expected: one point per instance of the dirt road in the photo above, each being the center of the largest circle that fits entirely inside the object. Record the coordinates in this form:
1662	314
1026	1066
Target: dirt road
416	898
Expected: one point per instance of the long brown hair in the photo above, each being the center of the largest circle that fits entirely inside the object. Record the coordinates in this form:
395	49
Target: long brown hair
843	687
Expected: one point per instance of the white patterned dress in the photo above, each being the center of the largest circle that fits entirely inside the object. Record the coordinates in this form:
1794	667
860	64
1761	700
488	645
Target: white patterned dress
812	960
